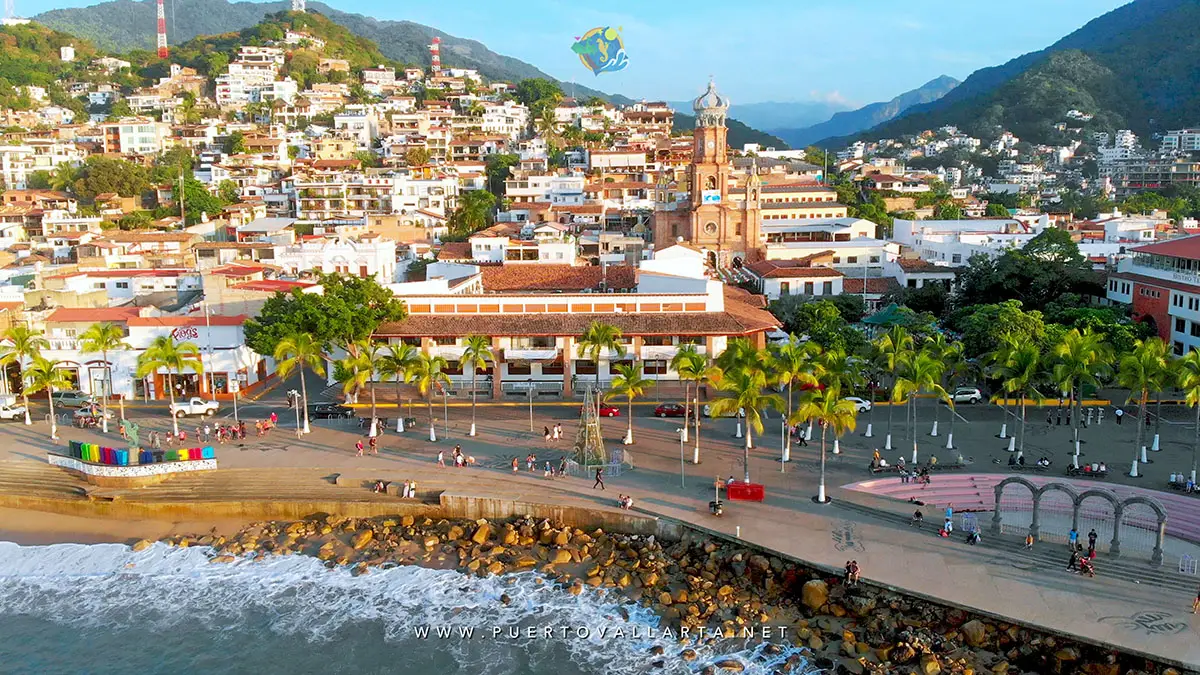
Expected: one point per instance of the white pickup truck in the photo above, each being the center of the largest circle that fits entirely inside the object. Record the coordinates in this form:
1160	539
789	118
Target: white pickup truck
11	412
194	406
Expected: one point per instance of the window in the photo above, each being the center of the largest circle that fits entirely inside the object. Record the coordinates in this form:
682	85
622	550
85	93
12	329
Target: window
1112	285
837	260
612	366
520	368
1180	325
785	288
585	367
956	258
875	259
851	260
444	341
98	285
827	288
1195	330
1178	348
554	368
654	367
808	288
122	284
656	341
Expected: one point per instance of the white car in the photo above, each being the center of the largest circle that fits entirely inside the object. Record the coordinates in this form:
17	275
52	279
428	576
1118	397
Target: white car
708	412
966	395
861	405
11	412
195	406
92	410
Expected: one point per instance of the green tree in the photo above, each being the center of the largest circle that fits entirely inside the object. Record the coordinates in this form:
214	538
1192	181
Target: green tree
1079	359
921	372
235	144
947	211
102	174
742	389
794	362
630	383
396	365
1019	367
198	201
349	310
1188	379
1142	371
416	156
892	349
472	215
228	192
995	210
164	353
538	93
598	339
499	169
984	328
477	352
26	344
64	177
687	363
293	353
102	338
43	374
827	407
429	376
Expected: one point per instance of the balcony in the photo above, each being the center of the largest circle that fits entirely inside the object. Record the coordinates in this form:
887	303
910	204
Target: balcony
531	353
63	344
448	352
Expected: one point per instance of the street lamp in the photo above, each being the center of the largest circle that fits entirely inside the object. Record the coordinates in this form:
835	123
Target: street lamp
681	462
445	413
529	391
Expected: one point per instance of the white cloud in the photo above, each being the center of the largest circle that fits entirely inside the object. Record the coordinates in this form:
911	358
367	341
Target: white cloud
832	97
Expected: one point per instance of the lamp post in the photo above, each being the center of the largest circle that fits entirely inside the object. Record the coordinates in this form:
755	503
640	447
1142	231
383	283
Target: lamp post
529	392
681	462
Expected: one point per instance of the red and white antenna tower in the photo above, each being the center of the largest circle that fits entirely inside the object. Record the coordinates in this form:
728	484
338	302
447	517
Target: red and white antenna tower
435	57
162	31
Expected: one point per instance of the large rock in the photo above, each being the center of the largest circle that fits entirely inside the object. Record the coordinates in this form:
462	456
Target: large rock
141	545
975	633
481	535
930	665
561	557
361	539
406	521
732	665
562	538
454	534
814	594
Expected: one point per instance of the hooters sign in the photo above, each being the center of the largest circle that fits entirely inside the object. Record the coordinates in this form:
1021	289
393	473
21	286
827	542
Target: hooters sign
185	333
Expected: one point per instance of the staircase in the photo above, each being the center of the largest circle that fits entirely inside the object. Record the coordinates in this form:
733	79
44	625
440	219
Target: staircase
24	478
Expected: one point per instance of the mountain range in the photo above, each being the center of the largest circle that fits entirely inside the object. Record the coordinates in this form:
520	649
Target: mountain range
854	121
1136	67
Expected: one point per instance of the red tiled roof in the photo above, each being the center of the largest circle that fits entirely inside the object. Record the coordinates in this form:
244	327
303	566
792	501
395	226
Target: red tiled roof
455	250
875	285
789	269
1182	247
567	278
803	205
193	320
237	270
122	274
918	265
93	314
737	319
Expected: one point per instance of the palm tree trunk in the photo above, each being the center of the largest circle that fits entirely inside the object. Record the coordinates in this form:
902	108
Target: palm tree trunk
629	432
746	453
914	428
1021	445
53	421
1137	447
25	399
171	398
474	397
696	415
108	388
304	397
891	406
788	442
597	362
1196	444
373	415
429	405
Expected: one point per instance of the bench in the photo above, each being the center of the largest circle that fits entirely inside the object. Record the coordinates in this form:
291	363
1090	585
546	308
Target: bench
1028	467
1081	473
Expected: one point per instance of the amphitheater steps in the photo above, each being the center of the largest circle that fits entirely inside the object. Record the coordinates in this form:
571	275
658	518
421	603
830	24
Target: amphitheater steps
39	479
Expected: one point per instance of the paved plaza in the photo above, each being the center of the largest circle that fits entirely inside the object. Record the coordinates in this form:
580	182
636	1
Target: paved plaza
1129	604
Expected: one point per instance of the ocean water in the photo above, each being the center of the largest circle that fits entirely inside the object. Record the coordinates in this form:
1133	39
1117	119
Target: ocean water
104	609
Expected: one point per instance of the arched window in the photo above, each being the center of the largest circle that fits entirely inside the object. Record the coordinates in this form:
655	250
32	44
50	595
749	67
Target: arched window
710	183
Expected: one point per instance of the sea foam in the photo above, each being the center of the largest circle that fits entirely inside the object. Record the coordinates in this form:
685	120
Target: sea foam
162	588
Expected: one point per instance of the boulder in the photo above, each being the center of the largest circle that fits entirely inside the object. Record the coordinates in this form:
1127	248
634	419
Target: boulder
930	665
406	521
732	665
361	539
222	559
814	594
510	537
496	568
975	633
562	538
482	533
431	541
454	533
141	544
561	557
664	598
1000	668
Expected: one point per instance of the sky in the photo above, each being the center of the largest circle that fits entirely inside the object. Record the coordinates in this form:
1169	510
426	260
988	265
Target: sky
852	52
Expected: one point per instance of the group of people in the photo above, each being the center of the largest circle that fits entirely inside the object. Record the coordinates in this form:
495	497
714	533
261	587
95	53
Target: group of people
548	469
457	456
222	432
852	573
800	434
625	502
1019	460
372	447
554	433
408	490
263	427
1079	561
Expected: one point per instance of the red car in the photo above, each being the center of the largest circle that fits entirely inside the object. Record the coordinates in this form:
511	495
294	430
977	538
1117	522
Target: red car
606	410
672	410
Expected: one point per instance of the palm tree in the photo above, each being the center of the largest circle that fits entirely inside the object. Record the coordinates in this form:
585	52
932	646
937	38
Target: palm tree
957	368
64	177
175	357
829	408
293	353
1019	367
354	373
43	374
894	348
476	354
630	382
841	371
1189	382
1079	358
102	338
598	338
1142	370
26	344
742	390
428	374
919	371
793	362
397	364
547	124
688	363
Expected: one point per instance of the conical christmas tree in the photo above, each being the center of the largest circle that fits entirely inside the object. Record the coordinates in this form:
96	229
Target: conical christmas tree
589	443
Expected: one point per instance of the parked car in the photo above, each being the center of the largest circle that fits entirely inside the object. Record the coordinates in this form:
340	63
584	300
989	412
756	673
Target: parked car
71	398
708	412
673	410
92	410
326	411
861	405
11	412
606	410
195	406
966	395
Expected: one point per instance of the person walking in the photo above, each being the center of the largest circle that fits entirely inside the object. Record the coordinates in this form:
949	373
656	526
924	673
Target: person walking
441	458
358	447
1029	542
562	466
1196	602
374	443
1092	543
1072	538
599	479
1073	563
546	434
530	460
1049	418
516	465
1119	414
549	472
